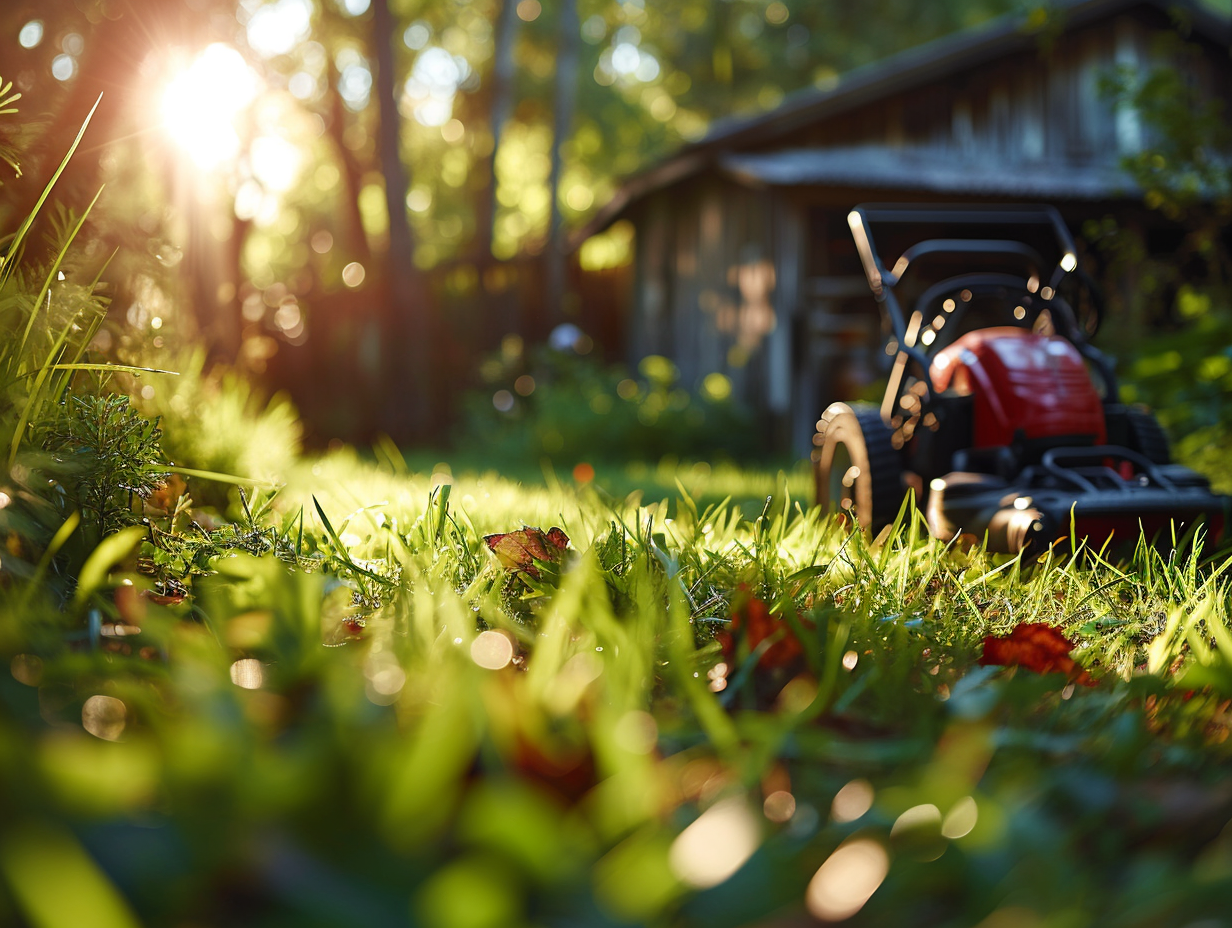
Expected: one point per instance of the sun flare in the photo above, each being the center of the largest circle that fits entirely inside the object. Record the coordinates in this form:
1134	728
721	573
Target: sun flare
202	103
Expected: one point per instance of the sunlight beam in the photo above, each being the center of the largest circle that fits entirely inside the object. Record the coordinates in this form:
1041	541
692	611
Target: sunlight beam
202	104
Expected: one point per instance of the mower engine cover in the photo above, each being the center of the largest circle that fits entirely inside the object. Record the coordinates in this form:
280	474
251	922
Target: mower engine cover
1024	386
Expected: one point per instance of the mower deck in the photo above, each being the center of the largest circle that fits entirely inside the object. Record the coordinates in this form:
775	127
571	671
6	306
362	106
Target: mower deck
999	413
1088	499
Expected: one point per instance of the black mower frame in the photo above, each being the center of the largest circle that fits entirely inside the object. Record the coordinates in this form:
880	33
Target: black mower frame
1037	296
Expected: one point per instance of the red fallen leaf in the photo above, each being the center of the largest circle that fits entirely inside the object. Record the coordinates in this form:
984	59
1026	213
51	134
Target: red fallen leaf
519	550
760	624
569	772
161	599
1037	647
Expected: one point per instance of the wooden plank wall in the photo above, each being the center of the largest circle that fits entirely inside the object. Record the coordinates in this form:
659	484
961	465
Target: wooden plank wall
1039	106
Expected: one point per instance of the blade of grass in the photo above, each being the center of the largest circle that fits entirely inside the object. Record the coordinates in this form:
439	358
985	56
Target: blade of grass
8	261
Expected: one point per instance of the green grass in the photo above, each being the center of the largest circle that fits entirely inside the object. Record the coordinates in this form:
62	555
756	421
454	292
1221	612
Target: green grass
377	774
706	483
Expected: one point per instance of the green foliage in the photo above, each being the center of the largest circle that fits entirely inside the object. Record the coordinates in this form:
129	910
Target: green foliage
217	420
567	408
1185	172
1184	169
102	454
72	459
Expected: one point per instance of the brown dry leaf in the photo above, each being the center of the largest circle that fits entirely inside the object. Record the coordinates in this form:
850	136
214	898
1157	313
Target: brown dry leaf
519	550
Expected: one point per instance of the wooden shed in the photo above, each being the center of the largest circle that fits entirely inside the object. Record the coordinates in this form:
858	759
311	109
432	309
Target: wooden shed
744	261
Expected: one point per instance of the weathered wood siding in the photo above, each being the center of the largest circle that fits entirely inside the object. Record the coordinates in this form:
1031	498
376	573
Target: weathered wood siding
709	285
1045	105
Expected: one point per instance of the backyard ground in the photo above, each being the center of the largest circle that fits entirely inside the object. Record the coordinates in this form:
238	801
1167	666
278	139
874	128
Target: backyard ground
366	711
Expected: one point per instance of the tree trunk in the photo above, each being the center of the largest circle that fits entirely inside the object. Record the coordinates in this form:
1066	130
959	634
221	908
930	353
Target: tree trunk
407	376
501	108
564	100
353	240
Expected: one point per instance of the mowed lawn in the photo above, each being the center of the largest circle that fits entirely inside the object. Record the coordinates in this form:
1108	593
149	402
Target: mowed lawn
674	711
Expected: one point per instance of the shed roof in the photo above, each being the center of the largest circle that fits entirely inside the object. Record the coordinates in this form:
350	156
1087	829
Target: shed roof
924	169
868	84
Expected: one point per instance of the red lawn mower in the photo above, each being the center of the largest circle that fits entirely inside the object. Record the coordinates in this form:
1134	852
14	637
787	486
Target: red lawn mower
991	414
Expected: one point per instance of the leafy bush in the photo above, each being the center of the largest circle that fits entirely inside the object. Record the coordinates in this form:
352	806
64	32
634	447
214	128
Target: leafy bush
100	455
1184	369
73	457
217	420
558	405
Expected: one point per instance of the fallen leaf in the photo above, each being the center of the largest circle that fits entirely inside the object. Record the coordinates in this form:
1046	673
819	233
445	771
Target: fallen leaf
168	494
519	550
1037	647
759	624
163	599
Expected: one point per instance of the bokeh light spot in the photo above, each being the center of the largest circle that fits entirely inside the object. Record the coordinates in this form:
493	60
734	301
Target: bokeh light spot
276	28
248	673
63	67
636	732
417	35
492	649
779	806
418	200
716	845
848	878
583	472
27	669
302	85
961	819
777	13
920	816
852	801
104	717
322	241
353	274
31	34
717	387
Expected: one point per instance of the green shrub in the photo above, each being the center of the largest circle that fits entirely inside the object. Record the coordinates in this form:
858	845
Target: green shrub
74	456
1184	369
217	420
565	407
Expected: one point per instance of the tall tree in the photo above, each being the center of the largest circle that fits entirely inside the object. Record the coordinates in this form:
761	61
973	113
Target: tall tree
501	94
335	117
564	101
407	358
